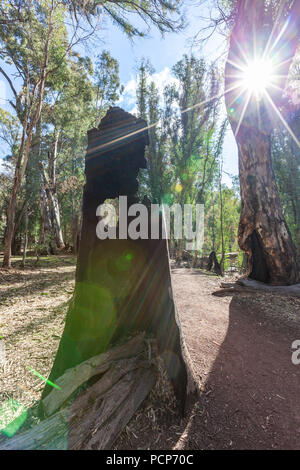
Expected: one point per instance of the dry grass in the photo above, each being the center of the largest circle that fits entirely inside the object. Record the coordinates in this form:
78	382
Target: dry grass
33	304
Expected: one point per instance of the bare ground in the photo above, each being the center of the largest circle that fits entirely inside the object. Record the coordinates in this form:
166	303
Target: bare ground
248	388
33	304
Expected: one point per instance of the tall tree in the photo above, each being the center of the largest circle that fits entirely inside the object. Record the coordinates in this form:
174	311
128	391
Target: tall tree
36	49
264	38
190	118
107	83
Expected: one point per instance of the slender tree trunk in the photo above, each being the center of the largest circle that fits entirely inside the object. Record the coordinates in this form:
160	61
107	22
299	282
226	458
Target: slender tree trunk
25	237
75	232
29	123
11	210
54	210
263	232
46	235
52	157
19	172
221	217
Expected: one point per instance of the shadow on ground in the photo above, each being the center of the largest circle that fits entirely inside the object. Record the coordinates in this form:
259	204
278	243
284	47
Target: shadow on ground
250	399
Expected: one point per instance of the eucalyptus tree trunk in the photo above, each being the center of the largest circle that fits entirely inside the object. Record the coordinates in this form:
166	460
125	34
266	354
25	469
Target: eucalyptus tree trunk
29	124
263	233
52	193
46	232
25	237
11	210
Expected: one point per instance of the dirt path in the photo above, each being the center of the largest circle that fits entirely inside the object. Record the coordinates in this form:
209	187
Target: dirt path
241	353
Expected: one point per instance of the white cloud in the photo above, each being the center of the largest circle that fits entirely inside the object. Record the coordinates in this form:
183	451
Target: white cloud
161	79
129	94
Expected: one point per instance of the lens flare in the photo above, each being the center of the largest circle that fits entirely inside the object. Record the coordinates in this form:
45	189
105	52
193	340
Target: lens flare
257	76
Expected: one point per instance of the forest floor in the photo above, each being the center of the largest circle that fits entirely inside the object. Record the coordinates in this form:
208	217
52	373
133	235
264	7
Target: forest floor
240	346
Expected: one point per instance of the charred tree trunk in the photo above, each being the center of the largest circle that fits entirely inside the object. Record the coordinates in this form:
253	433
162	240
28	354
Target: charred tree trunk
263	232
122	285
213	264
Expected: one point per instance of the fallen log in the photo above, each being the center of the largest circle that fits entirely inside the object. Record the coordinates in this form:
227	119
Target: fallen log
78	375
250	287
232	290
292	290
94	416
226	285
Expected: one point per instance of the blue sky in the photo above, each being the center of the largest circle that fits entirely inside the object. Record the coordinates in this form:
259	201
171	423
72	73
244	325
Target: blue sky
163	54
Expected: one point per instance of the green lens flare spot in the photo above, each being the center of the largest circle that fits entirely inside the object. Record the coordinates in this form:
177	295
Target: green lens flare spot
123	263
12	416
44	379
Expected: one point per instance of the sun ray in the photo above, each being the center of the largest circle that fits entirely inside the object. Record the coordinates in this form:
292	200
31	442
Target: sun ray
235	98
243	114
237	66
280	34
279	88
243	53
282	119
281	64
280	11
234	87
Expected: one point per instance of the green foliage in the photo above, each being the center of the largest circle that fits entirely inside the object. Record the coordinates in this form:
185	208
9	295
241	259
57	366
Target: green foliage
163	14
107	82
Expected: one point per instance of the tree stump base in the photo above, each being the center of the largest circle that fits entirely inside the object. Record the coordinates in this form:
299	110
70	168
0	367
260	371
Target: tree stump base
95	401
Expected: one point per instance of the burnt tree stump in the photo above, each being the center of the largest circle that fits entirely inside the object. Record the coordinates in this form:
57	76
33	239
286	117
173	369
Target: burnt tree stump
122	286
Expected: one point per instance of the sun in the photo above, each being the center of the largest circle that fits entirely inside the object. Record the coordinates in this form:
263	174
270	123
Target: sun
257	76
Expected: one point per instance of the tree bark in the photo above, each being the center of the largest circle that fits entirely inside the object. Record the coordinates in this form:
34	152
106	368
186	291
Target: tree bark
263	232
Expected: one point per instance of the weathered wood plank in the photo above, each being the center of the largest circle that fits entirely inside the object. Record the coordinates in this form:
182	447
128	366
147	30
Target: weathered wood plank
76	376
102	424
